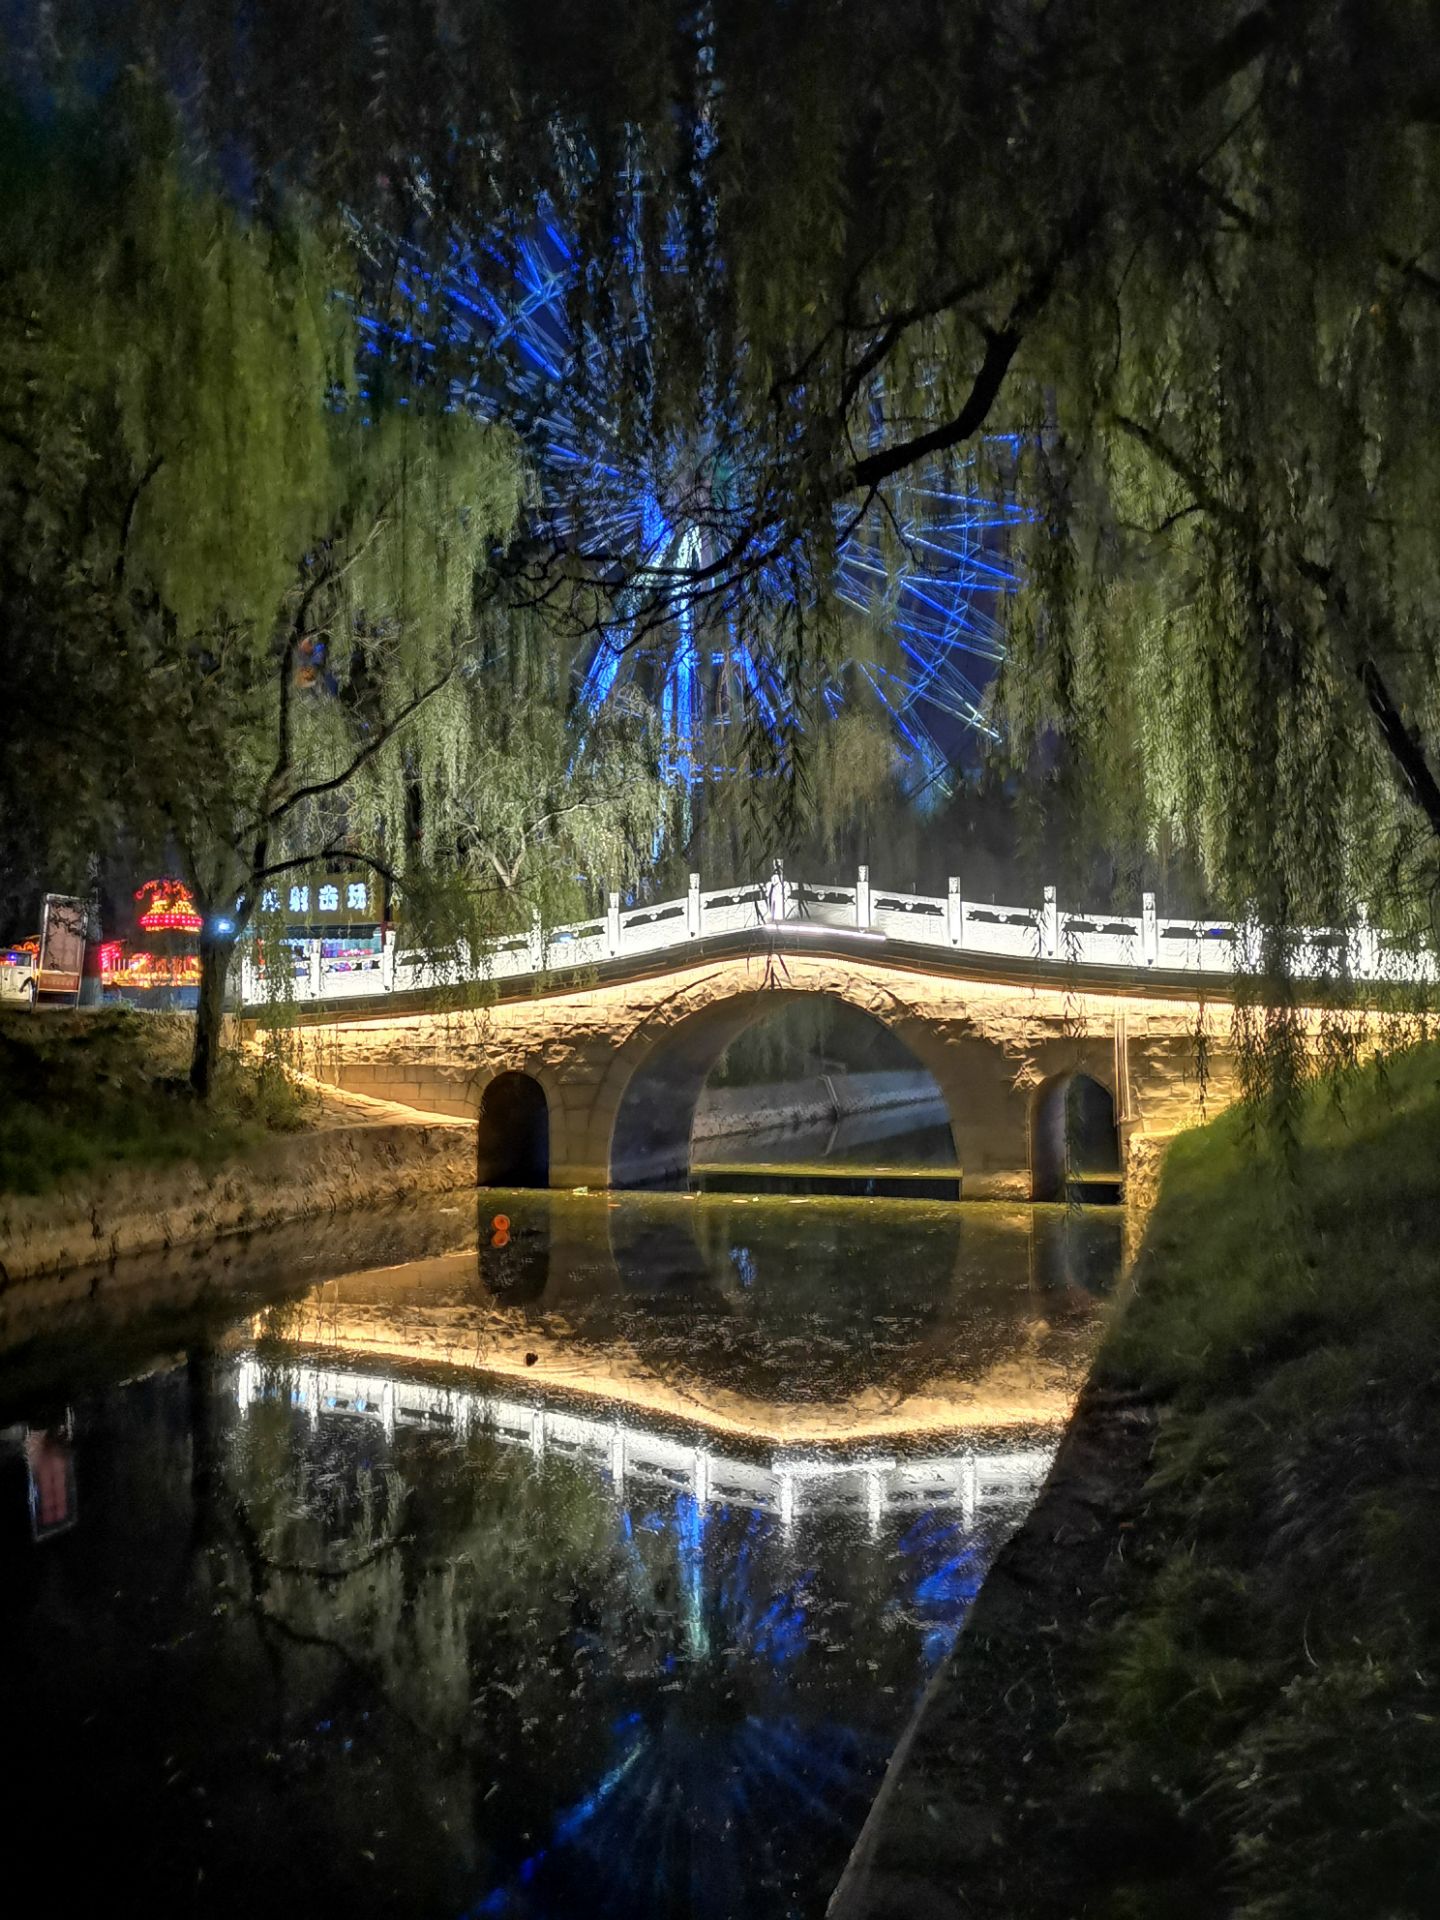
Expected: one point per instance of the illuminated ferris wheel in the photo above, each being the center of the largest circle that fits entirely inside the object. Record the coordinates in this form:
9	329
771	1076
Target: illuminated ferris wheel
925	572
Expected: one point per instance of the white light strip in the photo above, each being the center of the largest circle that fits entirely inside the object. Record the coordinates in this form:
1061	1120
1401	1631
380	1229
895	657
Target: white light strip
812	926
780	1484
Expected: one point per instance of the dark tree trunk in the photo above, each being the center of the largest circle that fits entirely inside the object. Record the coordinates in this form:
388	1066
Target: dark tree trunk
1403	745
215	954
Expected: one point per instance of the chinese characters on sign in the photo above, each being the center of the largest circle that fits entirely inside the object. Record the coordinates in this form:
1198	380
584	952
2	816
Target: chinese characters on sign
327	899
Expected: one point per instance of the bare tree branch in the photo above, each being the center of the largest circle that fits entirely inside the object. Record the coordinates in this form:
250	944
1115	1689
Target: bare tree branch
383	736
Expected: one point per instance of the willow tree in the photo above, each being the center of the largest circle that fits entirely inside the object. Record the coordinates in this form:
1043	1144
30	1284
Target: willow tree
266	576
1173	269
1187	253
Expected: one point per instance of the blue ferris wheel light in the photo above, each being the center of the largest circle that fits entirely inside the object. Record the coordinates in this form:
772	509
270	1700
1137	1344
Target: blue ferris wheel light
927	564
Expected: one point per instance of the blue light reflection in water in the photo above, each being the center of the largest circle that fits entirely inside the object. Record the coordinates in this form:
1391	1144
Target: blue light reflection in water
700	1802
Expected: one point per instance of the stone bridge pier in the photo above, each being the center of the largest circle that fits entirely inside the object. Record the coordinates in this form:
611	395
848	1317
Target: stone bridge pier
597	1084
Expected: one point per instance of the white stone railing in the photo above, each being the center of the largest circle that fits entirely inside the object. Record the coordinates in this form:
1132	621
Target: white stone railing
869	915
788	1485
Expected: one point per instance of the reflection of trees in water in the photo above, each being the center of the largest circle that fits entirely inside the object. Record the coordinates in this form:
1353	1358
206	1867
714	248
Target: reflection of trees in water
486	1592
700	1820
717	1782
179	1690
720	1782
410	1666
400	1562
482	1592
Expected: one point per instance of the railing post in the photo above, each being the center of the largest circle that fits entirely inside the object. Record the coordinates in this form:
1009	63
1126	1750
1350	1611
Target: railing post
777	894
692	908
537	942
317	980
1149	931
1050	926
387	960
1365	946
955	913
612	922
862	897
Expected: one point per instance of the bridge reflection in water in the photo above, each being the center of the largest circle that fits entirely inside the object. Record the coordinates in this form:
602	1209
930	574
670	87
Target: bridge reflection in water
625	1451
811	1425
782	1321
591	1572
743	1752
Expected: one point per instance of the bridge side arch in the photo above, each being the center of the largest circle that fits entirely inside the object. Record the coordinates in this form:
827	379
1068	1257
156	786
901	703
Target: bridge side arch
1074	1139
512	1132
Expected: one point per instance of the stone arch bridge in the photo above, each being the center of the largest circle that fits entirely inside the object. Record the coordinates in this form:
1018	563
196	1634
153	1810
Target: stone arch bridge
597	1078
587	1059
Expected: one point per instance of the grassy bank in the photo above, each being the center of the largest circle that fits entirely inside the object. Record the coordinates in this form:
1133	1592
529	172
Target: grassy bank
1261	1708
82	1091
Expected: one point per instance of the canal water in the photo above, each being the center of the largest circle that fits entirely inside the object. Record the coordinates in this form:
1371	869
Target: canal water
582	1556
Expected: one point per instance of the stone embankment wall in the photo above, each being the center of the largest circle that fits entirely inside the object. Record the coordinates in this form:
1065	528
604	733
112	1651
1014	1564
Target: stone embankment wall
297	1176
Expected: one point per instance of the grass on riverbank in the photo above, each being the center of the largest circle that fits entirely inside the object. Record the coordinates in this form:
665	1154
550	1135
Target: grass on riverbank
1270	1686
83	1091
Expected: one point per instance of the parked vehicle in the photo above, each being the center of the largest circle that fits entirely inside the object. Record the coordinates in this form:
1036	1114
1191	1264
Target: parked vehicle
19	968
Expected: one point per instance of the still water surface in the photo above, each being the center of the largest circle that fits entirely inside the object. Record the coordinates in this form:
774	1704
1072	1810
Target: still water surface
592	1570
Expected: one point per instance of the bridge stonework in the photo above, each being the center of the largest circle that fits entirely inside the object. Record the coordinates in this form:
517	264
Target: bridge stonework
622	1063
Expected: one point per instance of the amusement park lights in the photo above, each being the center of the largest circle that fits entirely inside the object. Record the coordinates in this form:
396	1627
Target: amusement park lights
171	910
928	563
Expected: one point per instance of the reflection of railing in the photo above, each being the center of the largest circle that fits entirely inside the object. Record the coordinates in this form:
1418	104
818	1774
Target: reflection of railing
868	913
786	1487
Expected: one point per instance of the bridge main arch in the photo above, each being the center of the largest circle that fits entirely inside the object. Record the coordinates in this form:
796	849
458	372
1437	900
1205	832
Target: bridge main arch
654	1114
644	1110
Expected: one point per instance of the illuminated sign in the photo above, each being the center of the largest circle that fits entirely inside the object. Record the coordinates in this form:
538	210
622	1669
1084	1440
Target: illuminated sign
120	968
342	900
170	908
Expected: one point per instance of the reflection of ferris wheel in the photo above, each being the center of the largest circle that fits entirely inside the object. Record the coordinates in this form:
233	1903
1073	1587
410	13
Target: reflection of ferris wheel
925	571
